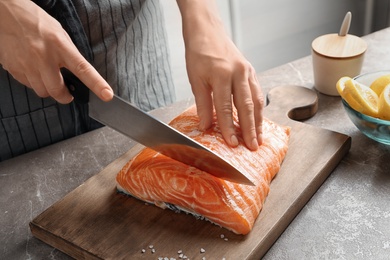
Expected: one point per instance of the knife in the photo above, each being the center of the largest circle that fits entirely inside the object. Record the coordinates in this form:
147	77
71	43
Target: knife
140	126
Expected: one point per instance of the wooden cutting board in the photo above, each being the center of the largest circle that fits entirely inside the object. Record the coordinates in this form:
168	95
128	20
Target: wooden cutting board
95	222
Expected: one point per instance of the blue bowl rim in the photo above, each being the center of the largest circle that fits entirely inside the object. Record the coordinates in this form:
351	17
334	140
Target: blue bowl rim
363	116
366	117
372	72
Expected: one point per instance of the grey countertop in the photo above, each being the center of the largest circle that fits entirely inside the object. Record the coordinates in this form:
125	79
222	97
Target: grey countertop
347	218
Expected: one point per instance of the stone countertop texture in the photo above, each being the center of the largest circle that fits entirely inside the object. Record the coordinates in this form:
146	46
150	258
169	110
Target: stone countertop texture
347	218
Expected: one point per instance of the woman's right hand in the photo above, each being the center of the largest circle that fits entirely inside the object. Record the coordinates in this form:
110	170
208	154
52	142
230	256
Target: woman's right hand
34	47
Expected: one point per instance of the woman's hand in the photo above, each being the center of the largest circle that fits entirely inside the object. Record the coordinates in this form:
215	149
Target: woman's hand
34	47
219	74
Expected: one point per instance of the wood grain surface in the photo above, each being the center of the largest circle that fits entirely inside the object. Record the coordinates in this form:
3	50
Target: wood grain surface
95	222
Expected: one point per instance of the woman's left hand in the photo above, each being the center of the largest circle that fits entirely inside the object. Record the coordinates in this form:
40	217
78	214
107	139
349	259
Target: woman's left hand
220	76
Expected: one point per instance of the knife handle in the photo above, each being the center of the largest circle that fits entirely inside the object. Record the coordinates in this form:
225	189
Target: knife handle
77	89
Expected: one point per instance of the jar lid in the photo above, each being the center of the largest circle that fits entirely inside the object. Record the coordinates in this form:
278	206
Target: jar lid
335	46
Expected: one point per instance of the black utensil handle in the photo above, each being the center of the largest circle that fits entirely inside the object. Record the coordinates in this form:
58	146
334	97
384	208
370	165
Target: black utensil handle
77	89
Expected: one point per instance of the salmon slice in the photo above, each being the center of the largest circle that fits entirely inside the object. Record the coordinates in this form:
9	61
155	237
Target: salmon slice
167	183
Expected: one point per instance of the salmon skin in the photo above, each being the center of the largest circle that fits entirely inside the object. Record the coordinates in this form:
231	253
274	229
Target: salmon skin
167	183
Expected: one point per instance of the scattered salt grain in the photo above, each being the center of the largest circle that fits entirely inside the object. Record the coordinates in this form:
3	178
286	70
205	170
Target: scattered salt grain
202	250
143	251
153	250
151	246
226	239
222	236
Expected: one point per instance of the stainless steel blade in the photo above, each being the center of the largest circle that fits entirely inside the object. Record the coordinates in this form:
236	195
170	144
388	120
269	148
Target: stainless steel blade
149	131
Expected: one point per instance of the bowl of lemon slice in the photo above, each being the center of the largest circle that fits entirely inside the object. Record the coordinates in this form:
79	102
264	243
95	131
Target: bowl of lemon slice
366	98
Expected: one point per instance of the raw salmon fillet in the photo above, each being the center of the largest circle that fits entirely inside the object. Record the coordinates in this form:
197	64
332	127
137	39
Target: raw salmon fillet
155	178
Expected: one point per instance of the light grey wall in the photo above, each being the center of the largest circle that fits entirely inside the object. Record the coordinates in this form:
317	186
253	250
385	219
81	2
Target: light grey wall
278	31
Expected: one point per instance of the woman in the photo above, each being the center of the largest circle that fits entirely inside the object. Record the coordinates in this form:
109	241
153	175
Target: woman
114	47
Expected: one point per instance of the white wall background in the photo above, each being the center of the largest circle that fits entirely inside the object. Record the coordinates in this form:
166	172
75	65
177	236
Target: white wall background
269	32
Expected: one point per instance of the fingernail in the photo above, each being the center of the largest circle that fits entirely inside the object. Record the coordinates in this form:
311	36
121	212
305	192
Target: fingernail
106	94
255	144
202	125
70	99
234	140
260	139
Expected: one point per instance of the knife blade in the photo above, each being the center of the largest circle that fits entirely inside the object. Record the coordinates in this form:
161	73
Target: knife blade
147	130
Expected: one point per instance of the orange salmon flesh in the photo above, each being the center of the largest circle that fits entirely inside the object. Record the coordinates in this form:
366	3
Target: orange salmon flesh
160	180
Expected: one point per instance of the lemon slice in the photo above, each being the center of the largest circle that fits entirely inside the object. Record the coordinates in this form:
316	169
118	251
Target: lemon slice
380	83
384	103
360	97
341	84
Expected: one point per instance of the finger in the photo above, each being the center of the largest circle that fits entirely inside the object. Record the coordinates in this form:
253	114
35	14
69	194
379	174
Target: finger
38	86
258	102
204	104
223	107
244	103
18	76
55	86
82	69
21	78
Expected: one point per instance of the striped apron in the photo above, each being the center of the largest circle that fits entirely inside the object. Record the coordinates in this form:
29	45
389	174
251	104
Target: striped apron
127	43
